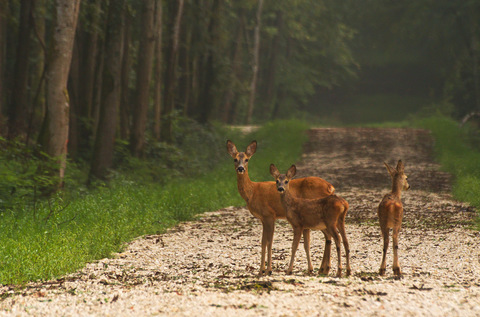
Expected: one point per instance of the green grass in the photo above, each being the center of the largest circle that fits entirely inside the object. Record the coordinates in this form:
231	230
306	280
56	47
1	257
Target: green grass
457	155
52	238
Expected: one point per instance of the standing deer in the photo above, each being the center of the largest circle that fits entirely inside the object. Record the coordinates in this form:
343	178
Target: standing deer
263	201
390	213
325	214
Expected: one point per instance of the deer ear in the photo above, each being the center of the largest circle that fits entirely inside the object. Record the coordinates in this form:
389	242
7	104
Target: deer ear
292	171
231	149
274	171
400	166
251	148
390	169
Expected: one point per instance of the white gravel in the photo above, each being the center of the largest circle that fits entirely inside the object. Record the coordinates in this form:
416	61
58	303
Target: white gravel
207	267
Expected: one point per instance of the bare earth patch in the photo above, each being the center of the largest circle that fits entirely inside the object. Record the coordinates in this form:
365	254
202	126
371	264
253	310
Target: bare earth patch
208	266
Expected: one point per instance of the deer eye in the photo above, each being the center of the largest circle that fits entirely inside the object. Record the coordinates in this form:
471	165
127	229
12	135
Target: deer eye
246	160
277	181
286	182
235	160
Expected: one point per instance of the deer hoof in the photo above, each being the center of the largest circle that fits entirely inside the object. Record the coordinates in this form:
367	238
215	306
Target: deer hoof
381	272
349	272
288	272
397	271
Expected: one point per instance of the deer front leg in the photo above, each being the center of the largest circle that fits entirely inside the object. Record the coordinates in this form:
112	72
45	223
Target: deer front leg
396	266
297	234
267	238
383	266
306	244
325	267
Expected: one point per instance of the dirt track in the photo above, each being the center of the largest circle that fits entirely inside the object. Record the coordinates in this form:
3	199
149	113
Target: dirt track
208	267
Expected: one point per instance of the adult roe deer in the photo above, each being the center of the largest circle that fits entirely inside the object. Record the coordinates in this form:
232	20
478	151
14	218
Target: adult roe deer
263	201
390	214
325	214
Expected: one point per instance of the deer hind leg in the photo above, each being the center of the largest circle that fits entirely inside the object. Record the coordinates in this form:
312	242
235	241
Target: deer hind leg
396	266
343	233
297	234
306	244
383	266
325	266
336	237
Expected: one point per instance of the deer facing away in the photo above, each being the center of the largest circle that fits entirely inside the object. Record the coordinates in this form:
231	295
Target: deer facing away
390	214
325	214
263	201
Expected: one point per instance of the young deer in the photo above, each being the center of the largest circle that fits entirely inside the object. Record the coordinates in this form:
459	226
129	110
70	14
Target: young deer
390	213
325	214
263	201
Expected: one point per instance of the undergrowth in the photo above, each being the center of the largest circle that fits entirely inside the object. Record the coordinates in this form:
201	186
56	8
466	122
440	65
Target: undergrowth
47	238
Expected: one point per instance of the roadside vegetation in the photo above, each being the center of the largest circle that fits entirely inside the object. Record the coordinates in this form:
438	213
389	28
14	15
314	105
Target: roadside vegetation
44	238
457	150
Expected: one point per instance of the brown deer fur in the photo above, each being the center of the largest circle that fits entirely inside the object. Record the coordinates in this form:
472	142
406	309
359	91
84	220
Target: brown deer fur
390	214
325	214
263	201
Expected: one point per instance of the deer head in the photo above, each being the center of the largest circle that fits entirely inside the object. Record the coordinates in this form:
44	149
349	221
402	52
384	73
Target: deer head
240	159
282	180
399	178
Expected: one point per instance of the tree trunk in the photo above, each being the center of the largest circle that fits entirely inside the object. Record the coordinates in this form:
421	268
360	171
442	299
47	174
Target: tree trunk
19	110
125	106
171	75
3	46
157	76
270	82
110	97
89	52
75	105
55	135
255	61
228	115
207	99
144	75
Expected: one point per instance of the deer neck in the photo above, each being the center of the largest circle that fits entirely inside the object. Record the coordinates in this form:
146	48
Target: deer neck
397	189
245	186
287	199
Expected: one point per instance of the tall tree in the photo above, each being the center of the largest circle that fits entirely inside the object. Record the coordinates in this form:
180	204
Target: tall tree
255	62
207	97
144	74
3	46
110	97
171	73
157	75
19	108
55	133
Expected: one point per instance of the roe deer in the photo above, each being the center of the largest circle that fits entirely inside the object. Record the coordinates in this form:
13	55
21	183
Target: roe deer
263	201
325	214
390	213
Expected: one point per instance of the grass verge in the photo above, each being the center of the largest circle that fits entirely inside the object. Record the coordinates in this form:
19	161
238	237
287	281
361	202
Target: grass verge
59	236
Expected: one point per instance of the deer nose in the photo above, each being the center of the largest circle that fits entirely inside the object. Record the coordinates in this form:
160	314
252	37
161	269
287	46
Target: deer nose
240	169
281	189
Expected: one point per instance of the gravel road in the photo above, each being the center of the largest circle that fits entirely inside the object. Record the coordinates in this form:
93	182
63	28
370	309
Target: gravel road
207	267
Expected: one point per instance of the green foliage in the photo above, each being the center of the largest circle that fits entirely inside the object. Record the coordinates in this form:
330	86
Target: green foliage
455	153
56	236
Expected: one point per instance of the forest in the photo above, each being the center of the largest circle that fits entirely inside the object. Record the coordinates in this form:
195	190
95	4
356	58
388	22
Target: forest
96	94
87	79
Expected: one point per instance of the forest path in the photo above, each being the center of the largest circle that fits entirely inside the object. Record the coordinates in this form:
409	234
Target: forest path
208	266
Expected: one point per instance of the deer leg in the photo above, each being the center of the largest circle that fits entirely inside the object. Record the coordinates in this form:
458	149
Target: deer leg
383	266
325	267
306	244
270	232
343	233
396	266
336	237
264	247
297	234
